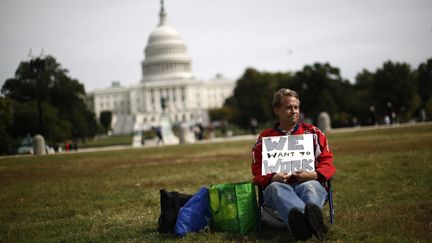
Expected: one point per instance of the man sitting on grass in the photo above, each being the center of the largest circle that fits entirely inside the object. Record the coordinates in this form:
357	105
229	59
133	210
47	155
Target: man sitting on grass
297	198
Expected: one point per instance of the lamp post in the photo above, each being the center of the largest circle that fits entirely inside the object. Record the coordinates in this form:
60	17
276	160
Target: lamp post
37	66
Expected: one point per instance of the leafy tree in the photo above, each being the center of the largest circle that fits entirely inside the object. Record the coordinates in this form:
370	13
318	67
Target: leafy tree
30	83
25	122
220	114
285	80
252	97
364	98
92	123
6	118
424	78
105	120
321	88
428	106
24	86
44	91
394	84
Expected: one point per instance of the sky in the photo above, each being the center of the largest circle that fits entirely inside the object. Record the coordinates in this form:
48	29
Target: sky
101	41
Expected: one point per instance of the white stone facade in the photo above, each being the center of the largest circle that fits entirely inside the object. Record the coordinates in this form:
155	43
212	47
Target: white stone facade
166	74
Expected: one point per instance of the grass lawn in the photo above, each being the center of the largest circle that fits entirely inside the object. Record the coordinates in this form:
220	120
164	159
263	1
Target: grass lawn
382	190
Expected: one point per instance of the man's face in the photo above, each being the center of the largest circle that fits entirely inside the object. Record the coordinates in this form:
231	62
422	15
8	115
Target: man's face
289	111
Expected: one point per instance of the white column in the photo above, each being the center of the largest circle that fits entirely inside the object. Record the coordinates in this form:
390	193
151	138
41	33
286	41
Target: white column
157	100
178	98
148	100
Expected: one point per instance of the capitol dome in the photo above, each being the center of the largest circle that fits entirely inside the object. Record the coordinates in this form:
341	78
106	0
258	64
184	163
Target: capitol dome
165	54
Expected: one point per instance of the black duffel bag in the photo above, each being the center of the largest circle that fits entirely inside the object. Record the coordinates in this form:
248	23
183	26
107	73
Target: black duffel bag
170	202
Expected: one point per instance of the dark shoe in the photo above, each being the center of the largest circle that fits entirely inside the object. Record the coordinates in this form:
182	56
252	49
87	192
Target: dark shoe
298	225
315	219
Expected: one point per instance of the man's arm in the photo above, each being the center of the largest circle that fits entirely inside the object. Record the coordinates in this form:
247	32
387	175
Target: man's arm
324	165
256	167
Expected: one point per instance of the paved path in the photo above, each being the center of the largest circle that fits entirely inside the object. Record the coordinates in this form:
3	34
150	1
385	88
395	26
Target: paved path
152	143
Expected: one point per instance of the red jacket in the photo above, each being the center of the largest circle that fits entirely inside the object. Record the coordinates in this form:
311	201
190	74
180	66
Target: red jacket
324	157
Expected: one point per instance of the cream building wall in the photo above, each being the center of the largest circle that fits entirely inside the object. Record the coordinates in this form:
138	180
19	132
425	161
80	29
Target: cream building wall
166	73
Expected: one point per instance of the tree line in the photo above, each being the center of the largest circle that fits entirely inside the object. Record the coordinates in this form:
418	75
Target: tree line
395	92
43	99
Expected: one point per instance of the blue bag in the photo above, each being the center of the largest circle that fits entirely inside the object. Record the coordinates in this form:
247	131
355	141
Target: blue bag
195	214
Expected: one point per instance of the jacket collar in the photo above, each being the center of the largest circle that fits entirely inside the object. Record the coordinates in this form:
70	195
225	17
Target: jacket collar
283	132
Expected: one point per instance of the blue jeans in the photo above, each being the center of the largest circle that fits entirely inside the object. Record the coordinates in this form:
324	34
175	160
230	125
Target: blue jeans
284	197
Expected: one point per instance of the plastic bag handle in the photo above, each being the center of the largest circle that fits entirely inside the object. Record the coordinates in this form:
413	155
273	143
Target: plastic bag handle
219	195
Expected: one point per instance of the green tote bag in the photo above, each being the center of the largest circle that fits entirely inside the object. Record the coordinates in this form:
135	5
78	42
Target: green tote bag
234	207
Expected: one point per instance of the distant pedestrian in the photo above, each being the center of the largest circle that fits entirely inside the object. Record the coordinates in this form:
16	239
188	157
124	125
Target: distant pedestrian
390	113
372	115
224	127
75	144
200	131
386	119
253	125
142	137
55	147
210	131
159	135
67	145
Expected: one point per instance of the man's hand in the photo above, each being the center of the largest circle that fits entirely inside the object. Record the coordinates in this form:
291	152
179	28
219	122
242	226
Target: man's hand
302	176
281	177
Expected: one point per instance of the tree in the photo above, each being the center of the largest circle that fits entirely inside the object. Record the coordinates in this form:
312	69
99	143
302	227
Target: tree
364	98
56	100
105	120
285	80
424	79
6	118
394	85
220	114
321	88
92	123
252	97
25	122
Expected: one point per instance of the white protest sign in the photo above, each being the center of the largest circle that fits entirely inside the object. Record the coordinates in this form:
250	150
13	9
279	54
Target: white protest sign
287	154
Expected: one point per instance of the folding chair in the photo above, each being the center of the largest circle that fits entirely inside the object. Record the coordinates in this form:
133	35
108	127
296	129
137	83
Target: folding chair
269	217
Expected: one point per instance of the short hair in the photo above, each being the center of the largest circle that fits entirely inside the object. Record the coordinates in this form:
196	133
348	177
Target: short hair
277	98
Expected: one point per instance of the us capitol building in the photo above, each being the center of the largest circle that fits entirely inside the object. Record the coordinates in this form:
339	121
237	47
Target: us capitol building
167	80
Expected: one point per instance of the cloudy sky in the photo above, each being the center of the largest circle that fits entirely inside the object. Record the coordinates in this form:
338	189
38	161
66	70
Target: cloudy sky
100	41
